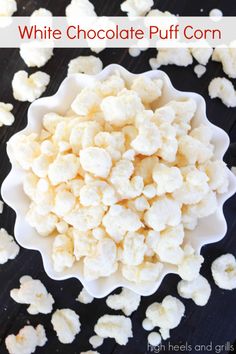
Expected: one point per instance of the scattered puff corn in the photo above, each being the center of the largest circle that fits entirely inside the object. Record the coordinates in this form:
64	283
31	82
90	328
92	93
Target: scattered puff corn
117	327
84	297
66	323
224	271
26	340
136	7
89	65
198	290
29	88
118	180
127	301
166	315
34	293
6	117
7	7
9	249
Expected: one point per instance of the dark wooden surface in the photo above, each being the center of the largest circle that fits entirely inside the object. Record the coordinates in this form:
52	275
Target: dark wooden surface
214	323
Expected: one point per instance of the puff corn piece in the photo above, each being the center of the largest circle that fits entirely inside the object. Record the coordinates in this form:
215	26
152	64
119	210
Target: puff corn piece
224	271
33	293
96	341
6	117
126	300
226	55
117	327
167	314
136	7
89	65
84	297
29	88
66	323
9	249
36	54
81	7
223	88
7	8
198	290
26	340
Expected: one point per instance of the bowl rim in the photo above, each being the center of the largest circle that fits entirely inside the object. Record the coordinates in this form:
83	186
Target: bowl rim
55	100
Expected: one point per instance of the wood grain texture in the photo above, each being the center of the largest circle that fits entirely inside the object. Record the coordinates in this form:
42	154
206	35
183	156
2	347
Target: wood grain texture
215	322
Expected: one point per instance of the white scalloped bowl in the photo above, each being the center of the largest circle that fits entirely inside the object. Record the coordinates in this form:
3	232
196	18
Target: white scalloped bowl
209	230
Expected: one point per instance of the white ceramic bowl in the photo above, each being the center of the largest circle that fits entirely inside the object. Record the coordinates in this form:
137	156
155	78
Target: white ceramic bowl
209	230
